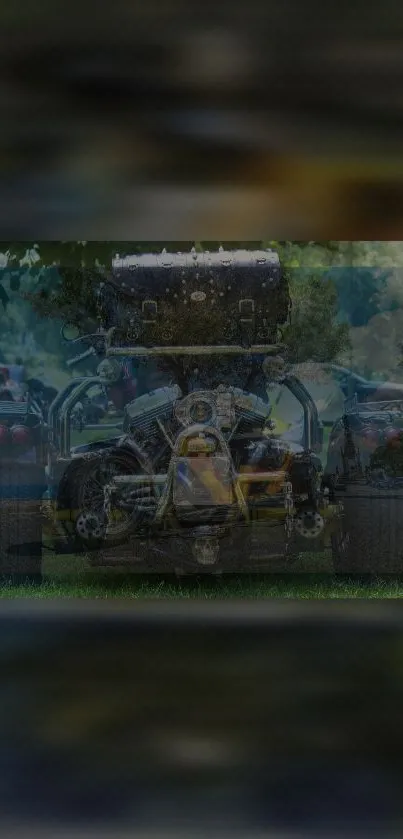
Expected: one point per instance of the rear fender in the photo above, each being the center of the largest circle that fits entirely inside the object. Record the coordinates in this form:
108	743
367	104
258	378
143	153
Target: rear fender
95	446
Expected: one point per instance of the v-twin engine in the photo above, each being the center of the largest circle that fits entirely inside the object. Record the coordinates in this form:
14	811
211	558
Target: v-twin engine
147	417
187	440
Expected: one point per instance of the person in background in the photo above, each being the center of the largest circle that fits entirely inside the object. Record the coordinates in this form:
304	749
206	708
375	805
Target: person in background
17	378
17	371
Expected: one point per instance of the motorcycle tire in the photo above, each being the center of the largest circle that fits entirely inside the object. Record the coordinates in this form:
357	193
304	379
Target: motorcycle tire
110	548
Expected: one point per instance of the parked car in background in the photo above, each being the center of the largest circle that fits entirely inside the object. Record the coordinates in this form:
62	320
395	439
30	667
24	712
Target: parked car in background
354	385
23	457
365	466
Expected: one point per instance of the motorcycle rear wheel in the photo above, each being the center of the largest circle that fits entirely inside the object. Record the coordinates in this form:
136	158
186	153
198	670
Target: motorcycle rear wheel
81	492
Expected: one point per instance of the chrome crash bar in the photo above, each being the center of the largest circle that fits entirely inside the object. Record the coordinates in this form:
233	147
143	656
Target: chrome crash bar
60	411
313	428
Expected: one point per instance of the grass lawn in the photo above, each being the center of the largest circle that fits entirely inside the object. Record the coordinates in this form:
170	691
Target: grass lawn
71	578
137	588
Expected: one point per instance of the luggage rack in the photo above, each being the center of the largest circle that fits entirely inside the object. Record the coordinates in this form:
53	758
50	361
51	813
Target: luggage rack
207	350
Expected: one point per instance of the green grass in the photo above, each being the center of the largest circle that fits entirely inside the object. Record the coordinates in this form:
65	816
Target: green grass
138	588
71	578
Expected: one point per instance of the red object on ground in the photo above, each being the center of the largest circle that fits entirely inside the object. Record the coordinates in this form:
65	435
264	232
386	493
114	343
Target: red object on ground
21	436
370	436
392	436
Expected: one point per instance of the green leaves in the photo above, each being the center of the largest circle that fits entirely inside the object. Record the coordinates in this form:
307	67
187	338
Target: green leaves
314	333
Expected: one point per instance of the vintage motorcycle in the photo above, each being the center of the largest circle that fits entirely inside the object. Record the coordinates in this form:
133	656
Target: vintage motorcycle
198	479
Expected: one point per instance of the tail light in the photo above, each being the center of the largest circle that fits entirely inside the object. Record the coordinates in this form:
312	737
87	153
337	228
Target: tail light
391	434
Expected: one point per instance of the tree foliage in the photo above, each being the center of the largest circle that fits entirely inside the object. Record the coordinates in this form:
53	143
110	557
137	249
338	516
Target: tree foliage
314	333
360	293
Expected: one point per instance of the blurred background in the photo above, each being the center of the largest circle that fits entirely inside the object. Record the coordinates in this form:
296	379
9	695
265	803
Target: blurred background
201	718
177	120
228	121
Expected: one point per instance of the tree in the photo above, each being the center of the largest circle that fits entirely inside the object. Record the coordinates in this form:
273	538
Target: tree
314	333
